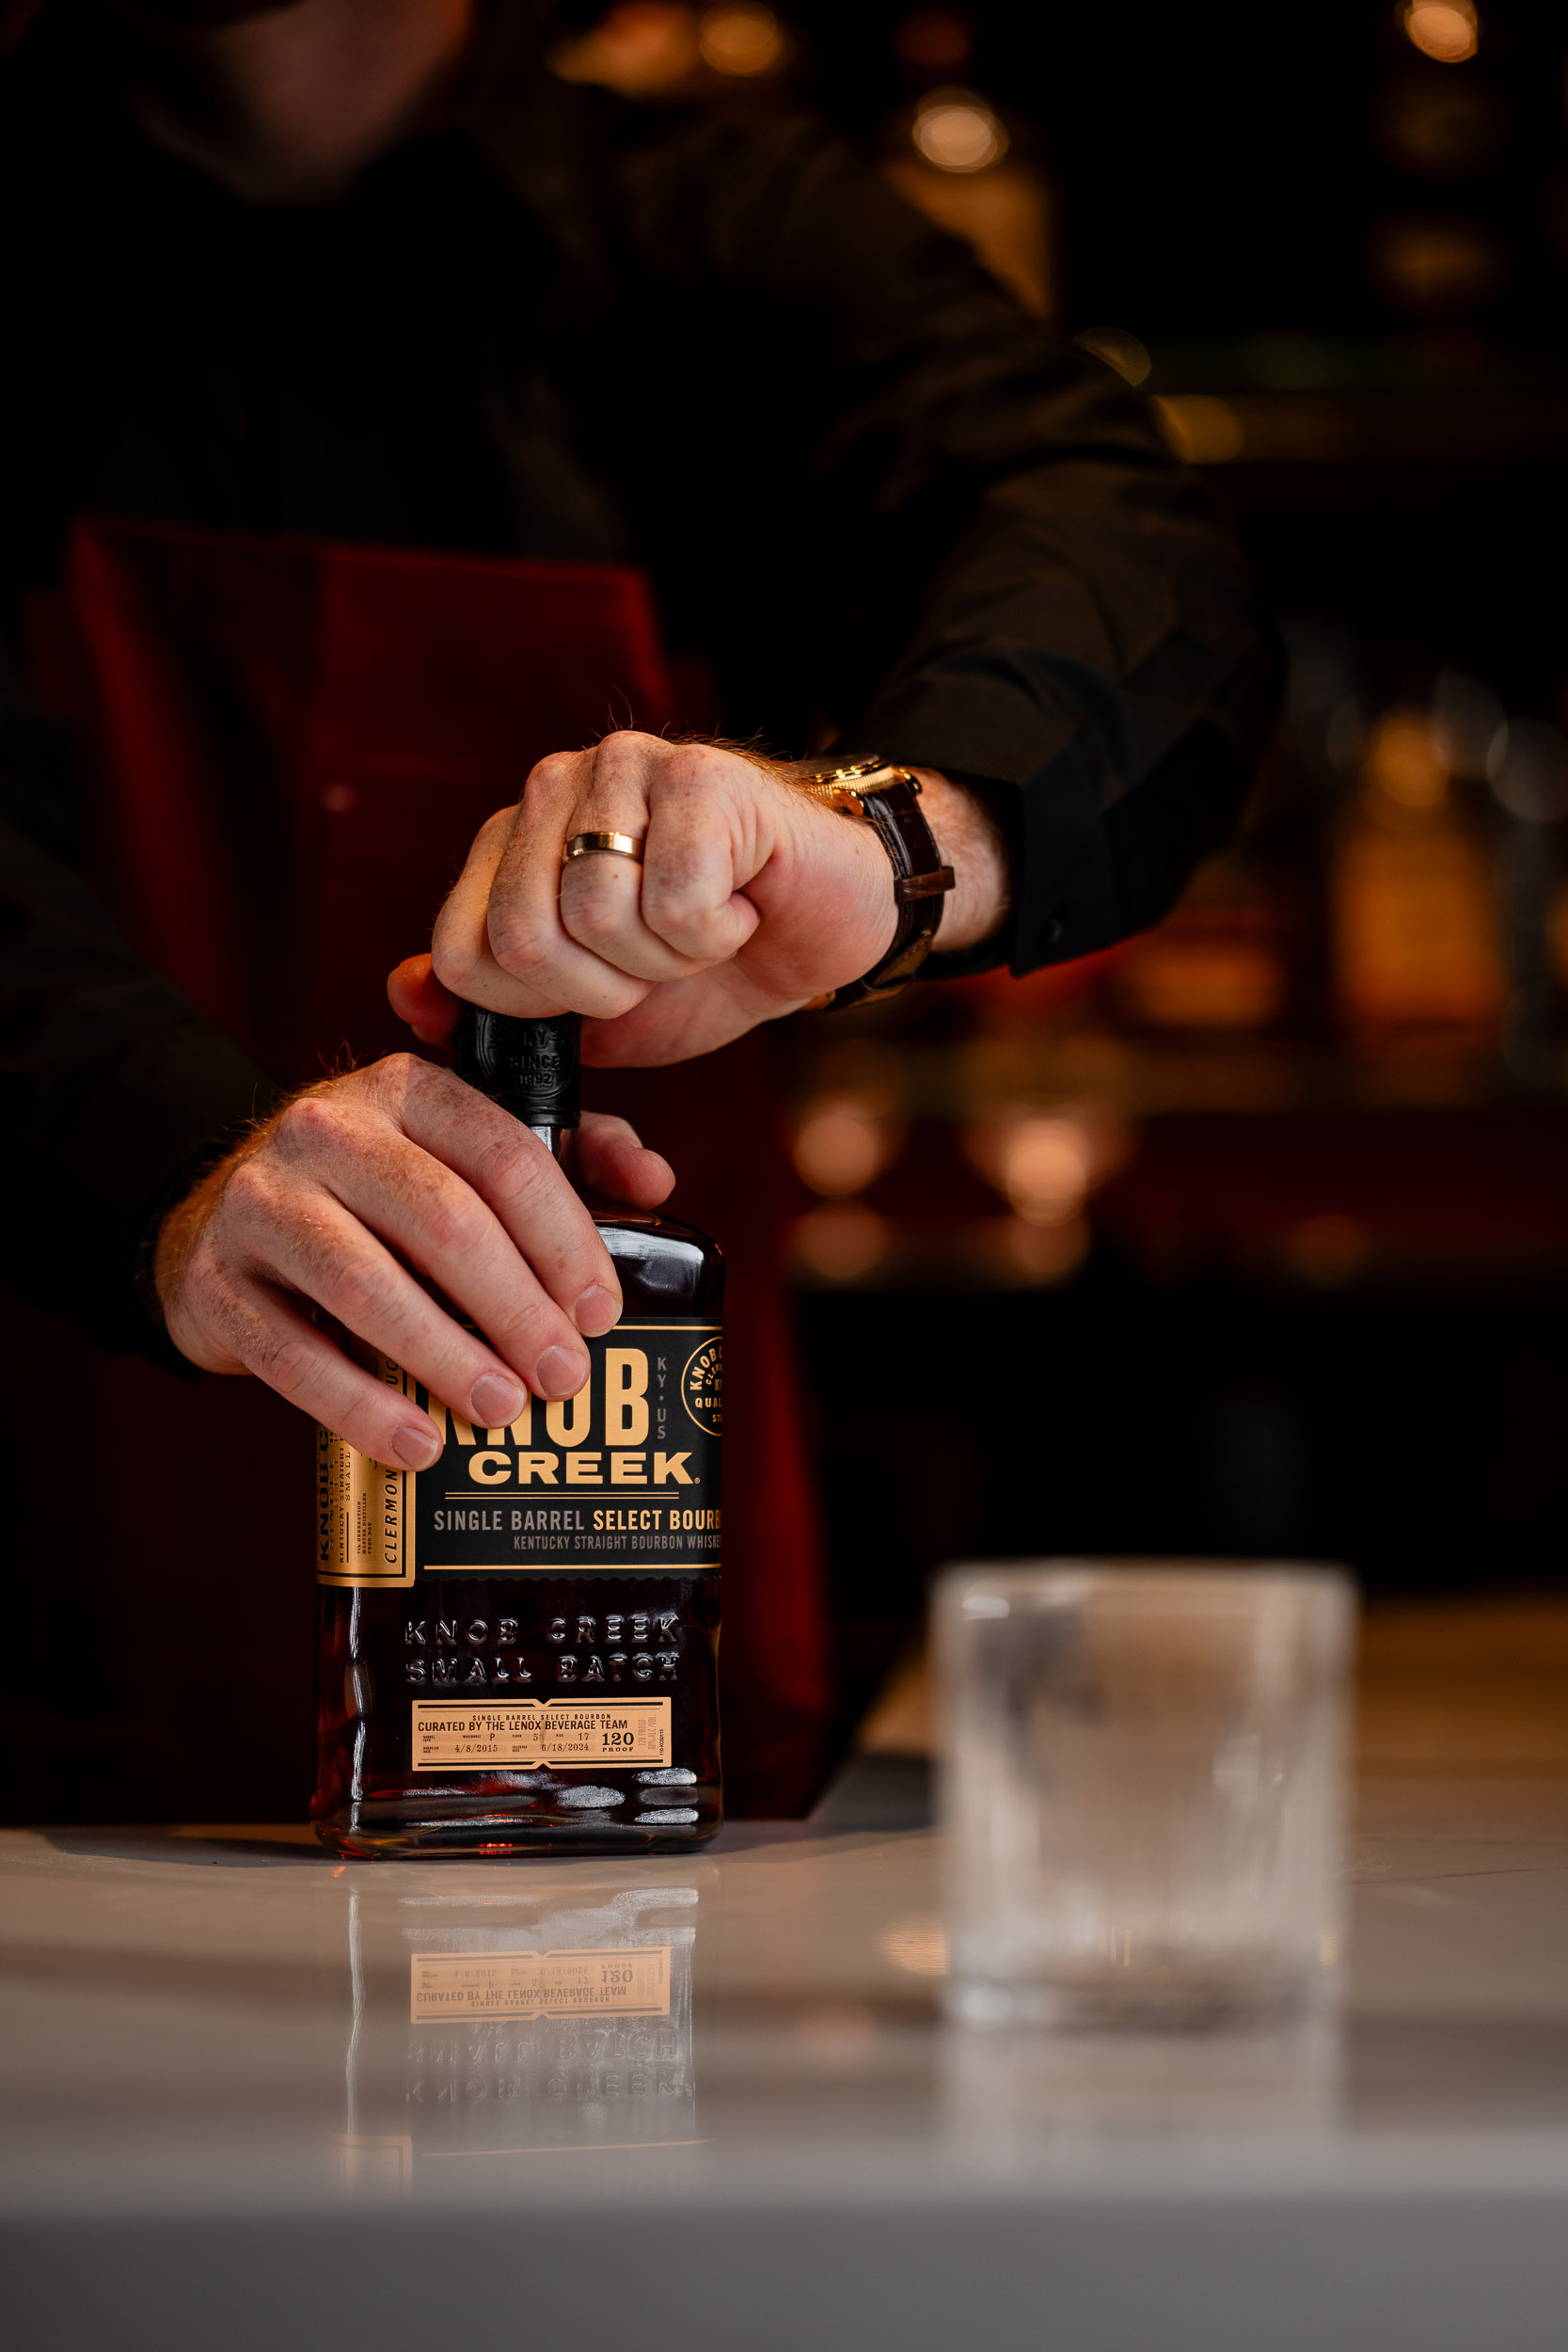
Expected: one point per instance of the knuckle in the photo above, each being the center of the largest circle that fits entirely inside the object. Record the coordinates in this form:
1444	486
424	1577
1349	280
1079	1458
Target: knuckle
399	1078
279	1359
349	1291
701	767
311	1123
523	1332
615	753
555	772
248	1193
594	919
518	940
515	1168
455	1226
454	960
672	899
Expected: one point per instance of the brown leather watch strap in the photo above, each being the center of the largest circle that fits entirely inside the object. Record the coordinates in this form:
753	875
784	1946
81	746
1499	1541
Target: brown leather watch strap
888	798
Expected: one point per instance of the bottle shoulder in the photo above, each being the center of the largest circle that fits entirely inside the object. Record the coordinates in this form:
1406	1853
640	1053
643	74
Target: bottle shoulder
665	1266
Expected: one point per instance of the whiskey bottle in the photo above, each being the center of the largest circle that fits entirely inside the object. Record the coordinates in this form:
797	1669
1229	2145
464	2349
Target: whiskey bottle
519	1648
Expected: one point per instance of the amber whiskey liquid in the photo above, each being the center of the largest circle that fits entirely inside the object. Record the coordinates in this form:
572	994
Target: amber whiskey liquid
519	1648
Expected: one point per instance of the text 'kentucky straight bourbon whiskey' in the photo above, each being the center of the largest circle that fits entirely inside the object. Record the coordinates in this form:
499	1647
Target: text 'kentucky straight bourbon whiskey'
518	1648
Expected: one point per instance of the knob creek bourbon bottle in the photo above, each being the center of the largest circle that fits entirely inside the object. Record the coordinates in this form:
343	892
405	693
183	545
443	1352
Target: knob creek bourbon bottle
519	1648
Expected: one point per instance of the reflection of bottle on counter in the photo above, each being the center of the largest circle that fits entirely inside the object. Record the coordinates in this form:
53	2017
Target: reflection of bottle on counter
482	2027
520	1647
1416	934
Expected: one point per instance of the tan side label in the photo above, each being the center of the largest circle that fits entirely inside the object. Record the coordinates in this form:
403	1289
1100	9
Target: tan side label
633	1983
362	1509
573	1735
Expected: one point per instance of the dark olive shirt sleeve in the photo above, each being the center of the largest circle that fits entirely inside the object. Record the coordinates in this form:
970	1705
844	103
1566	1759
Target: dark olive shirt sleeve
968	535
113	1088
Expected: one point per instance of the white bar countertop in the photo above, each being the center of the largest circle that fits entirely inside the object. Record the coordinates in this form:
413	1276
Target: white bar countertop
252	2097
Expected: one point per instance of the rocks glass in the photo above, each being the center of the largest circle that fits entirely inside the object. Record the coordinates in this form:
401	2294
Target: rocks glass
1143	1790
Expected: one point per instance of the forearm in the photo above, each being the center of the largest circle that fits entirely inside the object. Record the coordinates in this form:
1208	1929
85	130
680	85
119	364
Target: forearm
971	841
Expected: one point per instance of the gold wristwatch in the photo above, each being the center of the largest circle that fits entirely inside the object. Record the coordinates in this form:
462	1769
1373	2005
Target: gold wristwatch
888	799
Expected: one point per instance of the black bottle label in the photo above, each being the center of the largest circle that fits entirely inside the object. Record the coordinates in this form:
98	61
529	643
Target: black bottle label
624	1475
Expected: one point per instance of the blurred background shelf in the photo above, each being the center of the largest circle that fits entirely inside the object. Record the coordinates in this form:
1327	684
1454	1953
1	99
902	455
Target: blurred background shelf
1253	1237
1478	1689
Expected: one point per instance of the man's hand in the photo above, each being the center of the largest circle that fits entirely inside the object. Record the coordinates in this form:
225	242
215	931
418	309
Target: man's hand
354	1183
750	900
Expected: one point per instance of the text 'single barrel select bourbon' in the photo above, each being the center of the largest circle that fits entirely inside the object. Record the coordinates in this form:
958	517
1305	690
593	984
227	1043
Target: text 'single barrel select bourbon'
518	1648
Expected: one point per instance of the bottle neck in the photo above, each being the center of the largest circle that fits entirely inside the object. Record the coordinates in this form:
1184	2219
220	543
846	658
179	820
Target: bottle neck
530	1067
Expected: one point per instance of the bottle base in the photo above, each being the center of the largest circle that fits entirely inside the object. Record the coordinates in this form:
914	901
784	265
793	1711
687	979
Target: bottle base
363	1833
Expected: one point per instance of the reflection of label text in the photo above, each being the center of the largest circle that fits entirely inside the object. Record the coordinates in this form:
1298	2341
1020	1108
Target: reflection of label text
573	1735
632	1983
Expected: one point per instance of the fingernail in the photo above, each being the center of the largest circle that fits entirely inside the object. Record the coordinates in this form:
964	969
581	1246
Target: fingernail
596	1310
417	1445
496	1400
561	1370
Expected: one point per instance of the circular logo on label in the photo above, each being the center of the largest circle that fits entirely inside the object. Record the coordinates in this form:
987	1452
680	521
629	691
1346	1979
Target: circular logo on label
702	1386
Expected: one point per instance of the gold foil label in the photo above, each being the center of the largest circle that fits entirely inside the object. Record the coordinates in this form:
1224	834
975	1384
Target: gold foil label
633	1983
362	1507
570	1735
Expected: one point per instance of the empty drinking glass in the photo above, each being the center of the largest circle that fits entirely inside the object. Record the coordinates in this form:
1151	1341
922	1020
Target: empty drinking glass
1143	1789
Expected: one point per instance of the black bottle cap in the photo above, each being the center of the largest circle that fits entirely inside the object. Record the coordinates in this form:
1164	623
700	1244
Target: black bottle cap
529	1067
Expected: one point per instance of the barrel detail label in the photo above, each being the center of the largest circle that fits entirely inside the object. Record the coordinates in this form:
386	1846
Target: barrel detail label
569	1734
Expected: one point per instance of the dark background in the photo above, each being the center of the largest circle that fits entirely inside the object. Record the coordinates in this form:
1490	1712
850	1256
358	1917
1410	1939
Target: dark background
1222	178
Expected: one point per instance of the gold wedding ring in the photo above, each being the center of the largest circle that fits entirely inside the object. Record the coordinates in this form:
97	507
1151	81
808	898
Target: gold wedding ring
604	844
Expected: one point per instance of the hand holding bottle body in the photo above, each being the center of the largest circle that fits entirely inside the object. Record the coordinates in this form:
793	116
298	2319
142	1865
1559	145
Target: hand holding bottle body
375	1198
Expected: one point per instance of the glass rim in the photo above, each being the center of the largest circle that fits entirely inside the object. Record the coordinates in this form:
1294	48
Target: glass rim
1204	1582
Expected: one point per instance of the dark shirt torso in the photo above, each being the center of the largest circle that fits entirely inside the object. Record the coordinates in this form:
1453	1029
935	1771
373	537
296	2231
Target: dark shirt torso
868	492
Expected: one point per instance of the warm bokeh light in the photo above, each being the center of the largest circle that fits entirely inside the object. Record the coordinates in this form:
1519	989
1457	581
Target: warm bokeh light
935	39
1414	899
840	1145
842	1242
742	38
1045	1162
1215	965
638	48
1118	349
1046	1165
1404	760
1200	429
956	130
1448	30
1438	264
